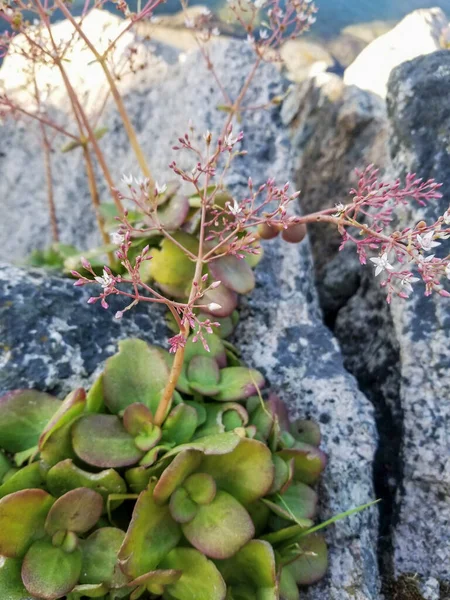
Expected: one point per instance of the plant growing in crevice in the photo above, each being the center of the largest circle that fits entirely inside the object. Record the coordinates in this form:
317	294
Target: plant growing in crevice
98	500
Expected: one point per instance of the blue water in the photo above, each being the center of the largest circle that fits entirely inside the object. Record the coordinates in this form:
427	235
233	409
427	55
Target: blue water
333	15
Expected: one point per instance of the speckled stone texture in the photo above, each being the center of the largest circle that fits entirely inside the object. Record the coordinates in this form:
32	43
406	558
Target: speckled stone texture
402	352
53	340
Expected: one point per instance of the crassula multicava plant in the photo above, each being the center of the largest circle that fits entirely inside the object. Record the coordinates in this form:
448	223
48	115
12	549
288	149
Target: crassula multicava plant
216	501
173	476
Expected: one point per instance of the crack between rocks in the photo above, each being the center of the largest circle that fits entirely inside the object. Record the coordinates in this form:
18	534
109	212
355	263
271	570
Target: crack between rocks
382	389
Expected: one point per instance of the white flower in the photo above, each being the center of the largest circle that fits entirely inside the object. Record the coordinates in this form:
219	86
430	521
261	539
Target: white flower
250	39
234	208
263	34
116	237
424	259
447	217
106	280
406	282
160	189
382	264
340	209
260	3
142	182
189	23
127	179
426	241
447	271
215	31
205	11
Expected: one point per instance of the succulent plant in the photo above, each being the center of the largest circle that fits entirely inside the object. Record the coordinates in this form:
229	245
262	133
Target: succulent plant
97	501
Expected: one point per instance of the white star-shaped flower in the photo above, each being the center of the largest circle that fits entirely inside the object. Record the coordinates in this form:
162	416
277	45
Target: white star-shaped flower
426	241
406	282
116	237
234	208
106	280
127	179
382	264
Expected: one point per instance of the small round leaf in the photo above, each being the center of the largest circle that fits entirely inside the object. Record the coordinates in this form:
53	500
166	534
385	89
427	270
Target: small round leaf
48	572
77	511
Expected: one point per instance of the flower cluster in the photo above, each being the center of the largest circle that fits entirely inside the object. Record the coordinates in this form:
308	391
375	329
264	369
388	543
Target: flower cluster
405	253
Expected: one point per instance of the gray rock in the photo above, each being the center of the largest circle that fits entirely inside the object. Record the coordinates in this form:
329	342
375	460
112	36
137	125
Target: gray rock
400	353
281	329
334	128
417	34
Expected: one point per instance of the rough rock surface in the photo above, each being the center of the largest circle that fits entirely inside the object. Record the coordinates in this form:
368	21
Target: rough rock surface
334	129
400	354
281	330
417	34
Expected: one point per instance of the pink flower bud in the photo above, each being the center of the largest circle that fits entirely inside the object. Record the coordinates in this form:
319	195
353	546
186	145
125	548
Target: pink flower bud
118	315
85	263
92	300
215	285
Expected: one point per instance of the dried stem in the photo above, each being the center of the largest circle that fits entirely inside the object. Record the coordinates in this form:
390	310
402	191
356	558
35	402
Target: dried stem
116	95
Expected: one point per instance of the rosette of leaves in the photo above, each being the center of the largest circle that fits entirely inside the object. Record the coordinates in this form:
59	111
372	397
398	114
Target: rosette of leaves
217	502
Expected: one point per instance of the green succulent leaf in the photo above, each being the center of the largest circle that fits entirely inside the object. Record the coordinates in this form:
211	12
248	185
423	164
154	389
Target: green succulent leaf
180	424
151	534
136	418
312	562
76	511
137	373
210	445
70	409
215	345
11	584
234	273
221	418
201	487
254	566
309	461
203	375
170	266
297	503
95	402
182	508
24	415
283	474
98	590
137	479
238	383
306	431
247	472
58	446
200	579
183	465
221	528
114	446
288	585
48	572
156	581
30	476
65	476
100	562
22	519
